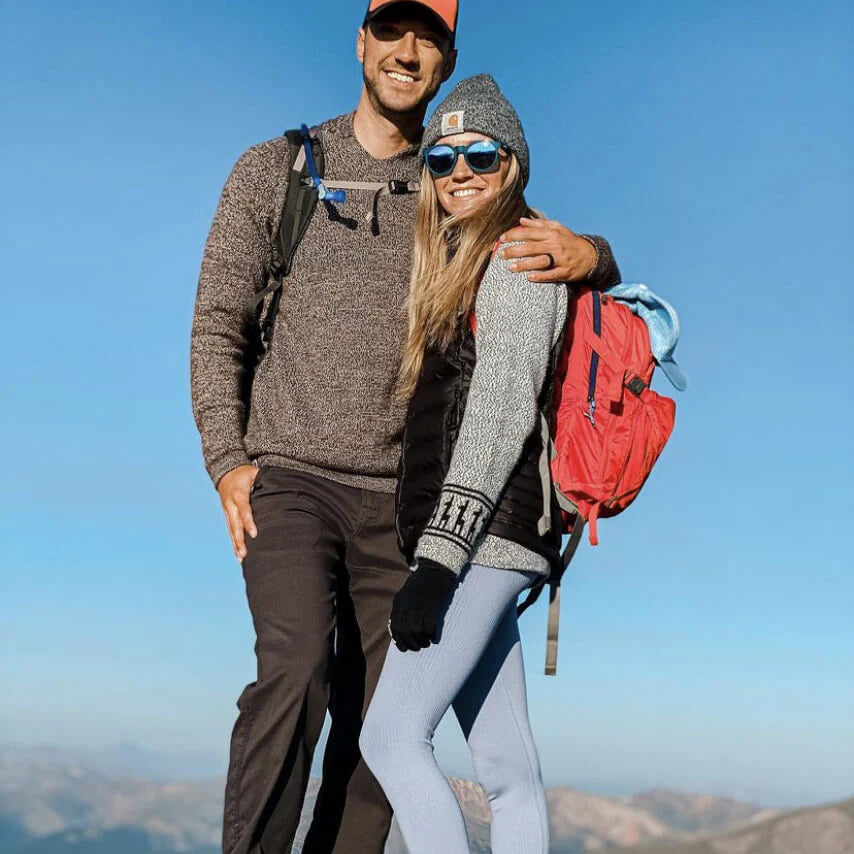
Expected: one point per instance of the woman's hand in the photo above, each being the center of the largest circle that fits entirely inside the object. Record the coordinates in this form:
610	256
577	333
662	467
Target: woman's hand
550	251
419	604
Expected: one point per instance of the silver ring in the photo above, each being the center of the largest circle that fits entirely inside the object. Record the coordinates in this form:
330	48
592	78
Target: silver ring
551	259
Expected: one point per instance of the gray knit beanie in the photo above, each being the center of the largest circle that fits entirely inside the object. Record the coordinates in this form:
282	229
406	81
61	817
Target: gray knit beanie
477	105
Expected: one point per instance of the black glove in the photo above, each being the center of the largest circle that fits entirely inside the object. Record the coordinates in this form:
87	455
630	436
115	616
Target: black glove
419	603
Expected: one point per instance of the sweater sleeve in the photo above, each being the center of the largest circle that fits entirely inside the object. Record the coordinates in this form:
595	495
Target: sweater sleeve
605	272
235	266
517	324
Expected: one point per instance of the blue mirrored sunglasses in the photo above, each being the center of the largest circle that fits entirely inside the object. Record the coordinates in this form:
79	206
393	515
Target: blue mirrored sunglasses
481	156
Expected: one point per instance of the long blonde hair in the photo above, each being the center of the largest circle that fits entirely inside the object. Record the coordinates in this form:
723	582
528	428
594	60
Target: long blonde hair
451	255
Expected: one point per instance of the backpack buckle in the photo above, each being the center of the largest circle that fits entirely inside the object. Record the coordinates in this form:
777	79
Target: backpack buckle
398	188
636	385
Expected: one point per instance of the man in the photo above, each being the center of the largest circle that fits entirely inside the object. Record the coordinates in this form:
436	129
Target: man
303	449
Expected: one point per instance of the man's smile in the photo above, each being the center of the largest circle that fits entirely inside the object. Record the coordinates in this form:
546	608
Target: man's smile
400	77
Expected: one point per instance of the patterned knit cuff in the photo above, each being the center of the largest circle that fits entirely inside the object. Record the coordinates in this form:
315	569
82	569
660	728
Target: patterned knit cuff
456	526
593	241
605	271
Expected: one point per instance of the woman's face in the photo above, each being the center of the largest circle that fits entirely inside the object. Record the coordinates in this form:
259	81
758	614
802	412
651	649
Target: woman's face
464	189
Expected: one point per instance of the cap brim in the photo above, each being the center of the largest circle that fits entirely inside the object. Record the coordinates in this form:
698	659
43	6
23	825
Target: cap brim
674	373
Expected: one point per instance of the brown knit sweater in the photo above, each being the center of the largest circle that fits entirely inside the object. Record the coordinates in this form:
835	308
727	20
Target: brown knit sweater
321	400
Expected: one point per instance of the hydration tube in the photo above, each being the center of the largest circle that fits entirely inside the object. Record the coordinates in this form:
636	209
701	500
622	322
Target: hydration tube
323	194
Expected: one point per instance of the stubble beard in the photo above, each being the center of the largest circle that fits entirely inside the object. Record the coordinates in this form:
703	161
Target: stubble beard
413	111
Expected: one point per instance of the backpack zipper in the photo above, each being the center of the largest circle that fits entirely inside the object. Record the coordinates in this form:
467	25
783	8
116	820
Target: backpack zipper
594	360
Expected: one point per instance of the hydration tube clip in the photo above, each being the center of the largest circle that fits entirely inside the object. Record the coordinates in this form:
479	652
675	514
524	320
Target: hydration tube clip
323	194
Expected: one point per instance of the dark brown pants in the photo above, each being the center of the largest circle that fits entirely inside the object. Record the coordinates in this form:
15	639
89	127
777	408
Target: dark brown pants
320	577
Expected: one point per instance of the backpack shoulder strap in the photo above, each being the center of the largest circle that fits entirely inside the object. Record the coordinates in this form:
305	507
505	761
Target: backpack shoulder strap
553	582
298	209
554	596
300	199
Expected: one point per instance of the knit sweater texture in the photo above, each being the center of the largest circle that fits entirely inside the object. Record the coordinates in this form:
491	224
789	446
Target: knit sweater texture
321	399
518	325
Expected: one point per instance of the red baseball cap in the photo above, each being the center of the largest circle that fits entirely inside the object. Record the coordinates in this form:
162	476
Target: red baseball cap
445	10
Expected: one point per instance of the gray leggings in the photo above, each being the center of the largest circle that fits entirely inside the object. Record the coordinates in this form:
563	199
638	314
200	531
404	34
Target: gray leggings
477	667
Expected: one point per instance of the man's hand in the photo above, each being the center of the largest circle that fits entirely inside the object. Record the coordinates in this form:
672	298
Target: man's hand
574	257
233	489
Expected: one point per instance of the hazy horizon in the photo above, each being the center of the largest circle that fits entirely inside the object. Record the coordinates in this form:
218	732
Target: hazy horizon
126	760
144	762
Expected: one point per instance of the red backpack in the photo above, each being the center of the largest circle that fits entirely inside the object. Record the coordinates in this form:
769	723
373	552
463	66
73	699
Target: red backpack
605	427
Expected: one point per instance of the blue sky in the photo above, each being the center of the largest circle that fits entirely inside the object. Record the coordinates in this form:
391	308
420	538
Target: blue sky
707	643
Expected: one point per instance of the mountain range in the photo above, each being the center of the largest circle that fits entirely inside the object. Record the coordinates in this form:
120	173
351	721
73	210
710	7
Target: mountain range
52	802
817	830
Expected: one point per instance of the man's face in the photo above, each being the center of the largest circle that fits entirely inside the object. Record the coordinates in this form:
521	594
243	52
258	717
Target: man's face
405	56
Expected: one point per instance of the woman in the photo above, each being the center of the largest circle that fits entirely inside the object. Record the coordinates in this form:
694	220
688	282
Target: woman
470	497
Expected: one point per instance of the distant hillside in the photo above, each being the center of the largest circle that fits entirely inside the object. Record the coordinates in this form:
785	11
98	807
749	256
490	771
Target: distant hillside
123	840
50	805
818	830
580	822
695	813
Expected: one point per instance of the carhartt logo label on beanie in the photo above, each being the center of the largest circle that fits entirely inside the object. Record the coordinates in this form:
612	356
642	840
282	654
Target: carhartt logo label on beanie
453	122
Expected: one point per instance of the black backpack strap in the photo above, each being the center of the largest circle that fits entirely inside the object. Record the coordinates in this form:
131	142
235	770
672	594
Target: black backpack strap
300	202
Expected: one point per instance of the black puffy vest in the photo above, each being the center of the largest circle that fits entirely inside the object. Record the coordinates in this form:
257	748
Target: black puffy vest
430	433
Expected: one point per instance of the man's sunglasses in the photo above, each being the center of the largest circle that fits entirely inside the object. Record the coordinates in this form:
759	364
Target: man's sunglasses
481	156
